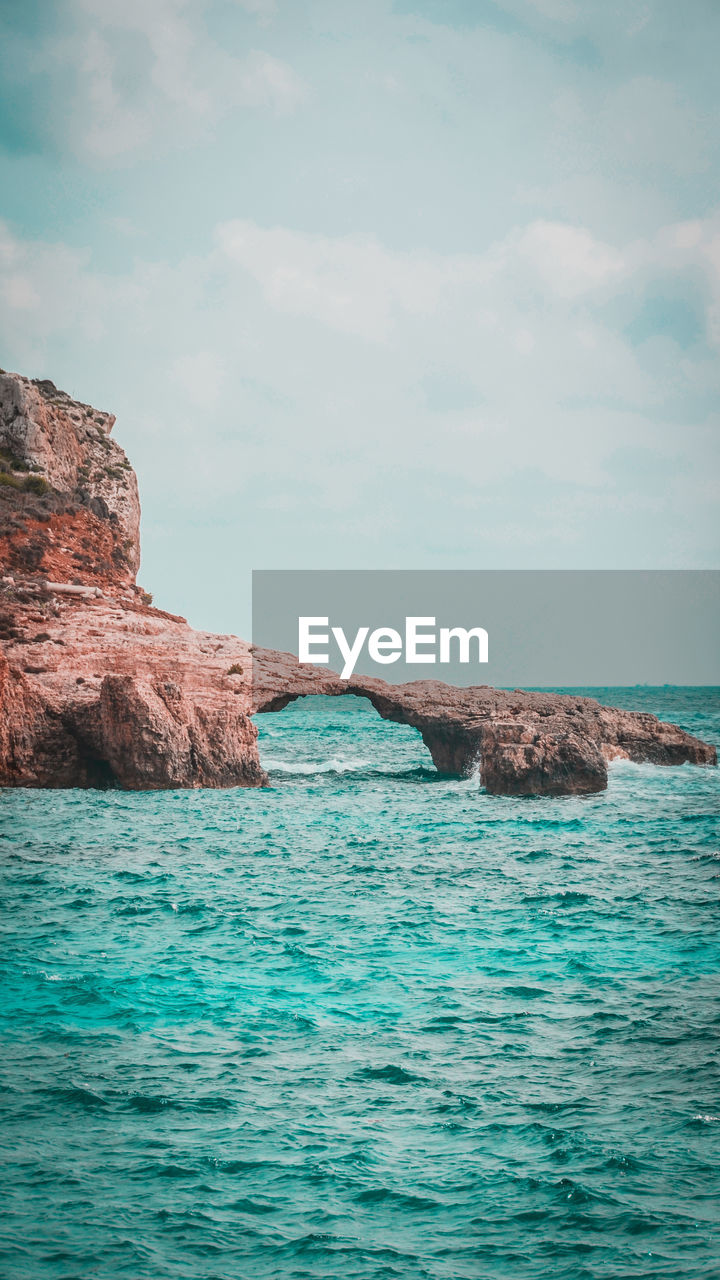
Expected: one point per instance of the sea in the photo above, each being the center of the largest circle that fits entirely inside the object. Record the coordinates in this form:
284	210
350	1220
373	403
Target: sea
367	1023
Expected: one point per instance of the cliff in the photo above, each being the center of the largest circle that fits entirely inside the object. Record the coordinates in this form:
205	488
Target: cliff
98	688
69	506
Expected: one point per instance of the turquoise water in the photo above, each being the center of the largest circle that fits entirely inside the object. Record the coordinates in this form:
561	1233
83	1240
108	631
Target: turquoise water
367	1023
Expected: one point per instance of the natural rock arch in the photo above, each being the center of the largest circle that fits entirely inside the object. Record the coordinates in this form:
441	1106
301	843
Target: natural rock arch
525	743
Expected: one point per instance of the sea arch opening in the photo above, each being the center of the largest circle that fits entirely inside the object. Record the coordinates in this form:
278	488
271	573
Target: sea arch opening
345	733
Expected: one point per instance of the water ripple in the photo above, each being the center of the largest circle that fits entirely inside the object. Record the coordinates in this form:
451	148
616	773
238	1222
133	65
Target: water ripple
367	1023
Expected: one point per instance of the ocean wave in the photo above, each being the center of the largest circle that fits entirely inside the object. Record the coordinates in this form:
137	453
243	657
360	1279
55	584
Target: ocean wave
80	1095
404	1200
309	768
388	1074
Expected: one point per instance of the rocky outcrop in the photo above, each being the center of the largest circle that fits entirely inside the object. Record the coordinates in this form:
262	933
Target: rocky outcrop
97	688
523	743
35	748
154	737
105	691
69	506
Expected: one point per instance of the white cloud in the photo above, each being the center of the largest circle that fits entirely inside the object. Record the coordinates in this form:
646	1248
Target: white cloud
569	260
351	283
50	290
264	81
357	286
144	73
172	38
354	284
19	294
111	127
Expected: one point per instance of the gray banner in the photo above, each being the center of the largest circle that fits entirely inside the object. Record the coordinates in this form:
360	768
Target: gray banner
552	628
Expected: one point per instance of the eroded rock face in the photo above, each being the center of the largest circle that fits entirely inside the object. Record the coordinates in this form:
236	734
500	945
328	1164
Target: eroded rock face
154	737
35	748
97	688
83	517
518	760
105	691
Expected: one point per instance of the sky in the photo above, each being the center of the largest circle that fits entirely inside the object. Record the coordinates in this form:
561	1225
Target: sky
413	284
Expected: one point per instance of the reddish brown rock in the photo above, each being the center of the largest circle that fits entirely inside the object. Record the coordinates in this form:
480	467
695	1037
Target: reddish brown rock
152	736
97	688
117	693
69	504
517	760
35	748
523	743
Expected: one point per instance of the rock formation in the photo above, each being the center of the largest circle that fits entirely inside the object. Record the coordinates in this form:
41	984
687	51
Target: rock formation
525	743
69	497
97	688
